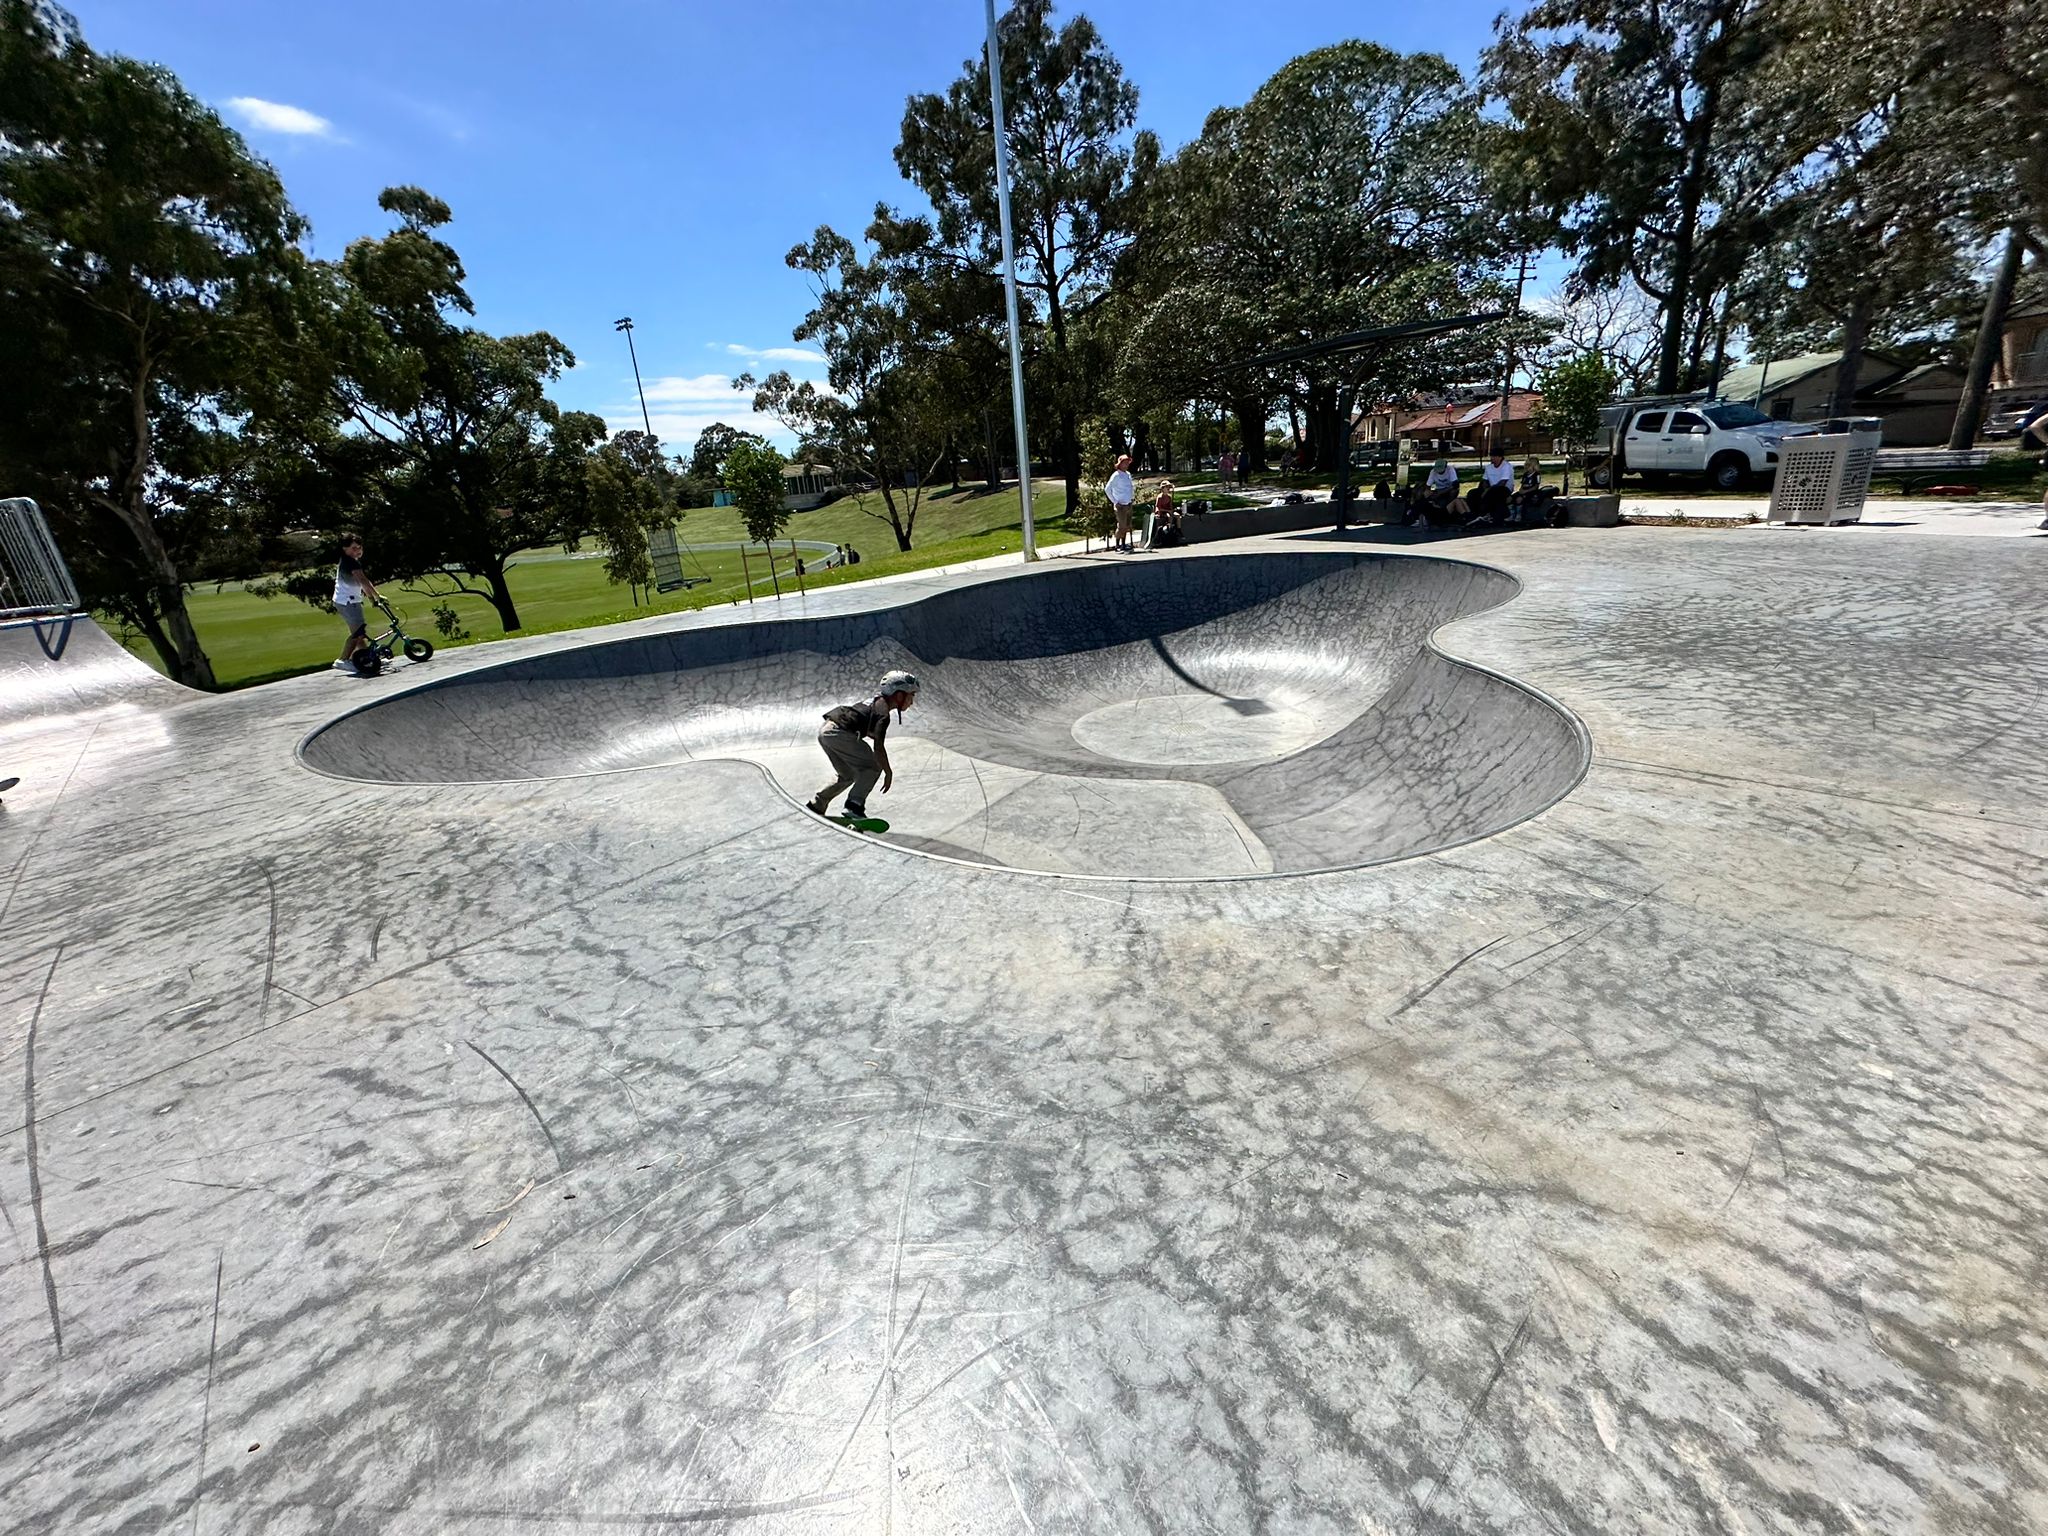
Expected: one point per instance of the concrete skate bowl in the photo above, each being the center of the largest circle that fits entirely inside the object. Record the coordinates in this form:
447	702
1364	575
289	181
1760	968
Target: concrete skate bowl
1205	717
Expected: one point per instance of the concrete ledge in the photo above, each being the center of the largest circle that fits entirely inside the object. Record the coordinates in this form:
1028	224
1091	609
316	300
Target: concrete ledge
1247	522
1593	511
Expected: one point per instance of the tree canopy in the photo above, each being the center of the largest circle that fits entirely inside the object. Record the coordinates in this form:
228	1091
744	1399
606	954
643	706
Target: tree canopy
146	263
1078	167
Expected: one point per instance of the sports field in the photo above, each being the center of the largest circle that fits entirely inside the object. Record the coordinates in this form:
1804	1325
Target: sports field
252	639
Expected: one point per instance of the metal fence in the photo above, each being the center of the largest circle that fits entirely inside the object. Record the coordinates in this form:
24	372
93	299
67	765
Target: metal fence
34	582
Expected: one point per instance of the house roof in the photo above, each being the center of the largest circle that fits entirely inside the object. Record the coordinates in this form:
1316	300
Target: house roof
1466	414
1746	382
1926	373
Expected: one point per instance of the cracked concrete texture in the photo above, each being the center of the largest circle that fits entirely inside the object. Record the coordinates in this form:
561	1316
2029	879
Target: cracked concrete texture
629	1150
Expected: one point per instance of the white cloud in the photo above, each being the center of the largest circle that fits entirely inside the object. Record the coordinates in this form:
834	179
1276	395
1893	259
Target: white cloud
798	355
682	407
705	389
276	117
679	430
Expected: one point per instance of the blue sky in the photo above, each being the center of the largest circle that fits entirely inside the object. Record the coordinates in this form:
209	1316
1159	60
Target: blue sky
657	157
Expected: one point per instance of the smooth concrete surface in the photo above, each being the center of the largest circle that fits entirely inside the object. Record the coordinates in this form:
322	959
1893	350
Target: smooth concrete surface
631	1152
1272	713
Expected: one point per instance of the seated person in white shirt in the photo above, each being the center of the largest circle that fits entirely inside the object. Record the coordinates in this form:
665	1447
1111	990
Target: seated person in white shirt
1440	493
1496	487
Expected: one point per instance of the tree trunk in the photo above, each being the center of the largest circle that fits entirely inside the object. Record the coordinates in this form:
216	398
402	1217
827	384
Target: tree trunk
1117	440
501	594
1325	426
1251	427
1070	427
186	659
1721	343
1142	451
953	464
1691	193
1855	333
153	632
896	523
1990	335
1070	454
1696	351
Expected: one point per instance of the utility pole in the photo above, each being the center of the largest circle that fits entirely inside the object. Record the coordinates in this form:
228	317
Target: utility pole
995	95
625	323
1507	377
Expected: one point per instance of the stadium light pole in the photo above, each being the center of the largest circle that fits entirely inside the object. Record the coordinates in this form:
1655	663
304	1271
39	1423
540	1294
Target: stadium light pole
625	323
995	97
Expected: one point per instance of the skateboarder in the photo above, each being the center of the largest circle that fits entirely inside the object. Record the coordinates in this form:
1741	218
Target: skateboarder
845	737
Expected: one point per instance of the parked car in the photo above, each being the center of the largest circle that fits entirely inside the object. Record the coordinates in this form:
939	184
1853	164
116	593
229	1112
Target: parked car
1722	440
2011	423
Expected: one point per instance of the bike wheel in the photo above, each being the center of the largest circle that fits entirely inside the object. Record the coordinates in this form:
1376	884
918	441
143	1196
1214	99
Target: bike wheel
419	650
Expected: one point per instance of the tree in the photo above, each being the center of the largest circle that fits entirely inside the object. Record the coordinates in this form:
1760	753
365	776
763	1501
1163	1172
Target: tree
1076	170
1346	194
1972	79
145	260
954	309
886	417
1657	139
630	490
1978	71
707	457
453	454
1618	322
753	476
1573	391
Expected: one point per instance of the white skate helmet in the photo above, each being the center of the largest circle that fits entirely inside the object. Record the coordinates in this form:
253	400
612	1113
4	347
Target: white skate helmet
898	682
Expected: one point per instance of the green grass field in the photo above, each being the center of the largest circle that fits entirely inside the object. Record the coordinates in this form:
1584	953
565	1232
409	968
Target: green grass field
253	640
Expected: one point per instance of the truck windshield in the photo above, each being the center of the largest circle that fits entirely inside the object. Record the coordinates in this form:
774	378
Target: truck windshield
1729	417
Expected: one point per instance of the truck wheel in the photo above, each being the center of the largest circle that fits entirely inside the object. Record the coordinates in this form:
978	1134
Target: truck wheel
1600	476
1728	472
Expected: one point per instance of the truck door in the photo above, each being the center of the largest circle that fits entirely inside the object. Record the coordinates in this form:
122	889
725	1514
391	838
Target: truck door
1685	443
1642	445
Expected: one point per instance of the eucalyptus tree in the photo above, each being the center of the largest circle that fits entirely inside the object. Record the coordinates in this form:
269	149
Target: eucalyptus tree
147	260
1349	193
1658	139
1078	167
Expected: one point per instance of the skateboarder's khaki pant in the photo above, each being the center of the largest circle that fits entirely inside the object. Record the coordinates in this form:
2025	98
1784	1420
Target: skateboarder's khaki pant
853	764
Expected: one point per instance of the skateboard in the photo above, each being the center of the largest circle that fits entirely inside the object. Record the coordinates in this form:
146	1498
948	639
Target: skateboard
861	823
7	784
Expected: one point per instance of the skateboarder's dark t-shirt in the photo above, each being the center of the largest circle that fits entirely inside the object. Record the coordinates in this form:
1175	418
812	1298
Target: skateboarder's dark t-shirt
869	718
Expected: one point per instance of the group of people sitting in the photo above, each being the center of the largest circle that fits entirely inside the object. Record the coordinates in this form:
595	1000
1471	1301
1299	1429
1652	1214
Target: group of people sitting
1441	502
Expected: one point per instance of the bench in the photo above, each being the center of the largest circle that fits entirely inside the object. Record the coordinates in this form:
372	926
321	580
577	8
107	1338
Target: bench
1925	465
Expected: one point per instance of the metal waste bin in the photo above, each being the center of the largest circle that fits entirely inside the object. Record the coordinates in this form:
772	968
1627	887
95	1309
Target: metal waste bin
1825	478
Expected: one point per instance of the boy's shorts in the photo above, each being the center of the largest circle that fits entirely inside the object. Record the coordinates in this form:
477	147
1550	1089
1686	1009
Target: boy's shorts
351	615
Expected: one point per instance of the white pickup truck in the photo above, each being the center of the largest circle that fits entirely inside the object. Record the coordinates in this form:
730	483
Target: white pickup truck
1722	440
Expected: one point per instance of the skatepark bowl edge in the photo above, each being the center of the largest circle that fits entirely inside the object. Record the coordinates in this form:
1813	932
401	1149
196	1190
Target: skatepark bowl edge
1272	714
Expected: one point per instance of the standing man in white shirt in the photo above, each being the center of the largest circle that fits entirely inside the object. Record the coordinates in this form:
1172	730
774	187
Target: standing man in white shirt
1122	492
351	583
